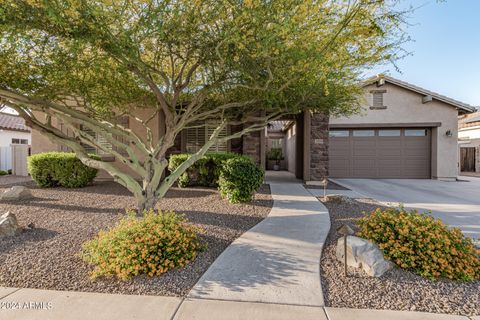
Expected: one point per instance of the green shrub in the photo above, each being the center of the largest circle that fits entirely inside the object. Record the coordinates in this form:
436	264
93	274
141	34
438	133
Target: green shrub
54	169
204	172
3	173
275	154
150	245
422	244
239	179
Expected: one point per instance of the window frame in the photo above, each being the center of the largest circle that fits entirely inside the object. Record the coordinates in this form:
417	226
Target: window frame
363	130
425	132
331	133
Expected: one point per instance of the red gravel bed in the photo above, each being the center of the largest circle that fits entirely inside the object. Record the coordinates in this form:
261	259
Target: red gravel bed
45	257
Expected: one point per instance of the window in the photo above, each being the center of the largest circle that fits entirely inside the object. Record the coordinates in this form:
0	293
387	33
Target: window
338	133
19	141
377	99
415	132
99	140
363	133
389	133
200	133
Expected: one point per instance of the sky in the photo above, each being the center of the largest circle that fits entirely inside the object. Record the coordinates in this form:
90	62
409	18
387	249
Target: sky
445	52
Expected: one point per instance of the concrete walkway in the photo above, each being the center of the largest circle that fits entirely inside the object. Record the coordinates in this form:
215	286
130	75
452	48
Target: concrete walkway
28	304
278	260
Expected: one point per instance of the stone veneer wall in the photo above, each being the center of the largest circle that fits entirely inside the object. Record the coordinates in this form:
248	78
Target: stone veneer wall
477	159
251	145
318	147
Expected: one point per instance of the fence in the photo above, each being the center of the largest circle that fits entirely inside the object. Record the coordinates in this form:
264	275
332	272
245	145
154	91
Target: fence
14	157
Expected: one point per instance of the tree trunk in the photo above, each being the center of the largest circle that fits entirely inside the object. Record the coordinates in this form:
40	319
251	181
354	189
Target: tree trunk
147	201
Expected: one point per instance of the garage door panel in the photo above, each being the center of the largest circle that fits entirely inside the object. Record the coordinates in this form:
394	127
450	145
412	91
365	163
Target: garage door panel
363	148
389	152
381	156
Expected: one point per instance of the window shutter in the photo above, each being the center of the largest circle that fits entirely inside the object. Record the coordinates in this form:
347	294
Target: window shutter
195	138
377	99
198	136
219	146
123	121
99	140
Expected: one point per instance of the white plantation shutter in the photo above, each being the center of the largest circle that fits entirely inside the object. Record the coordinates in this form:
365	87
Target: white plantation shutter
219	146
99	139
196	137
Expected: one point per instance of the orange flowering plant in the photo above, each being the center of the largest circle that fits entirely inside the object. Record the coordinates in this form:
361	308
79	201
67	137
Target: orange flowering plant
152	245
421	243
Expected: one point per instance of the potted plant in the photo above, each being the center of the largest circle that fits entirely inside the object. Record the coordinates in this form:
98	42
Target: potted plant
276	155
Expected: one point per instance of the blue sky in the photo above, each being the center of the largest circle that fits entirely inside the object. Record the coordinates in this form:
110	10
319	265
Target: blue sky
445	49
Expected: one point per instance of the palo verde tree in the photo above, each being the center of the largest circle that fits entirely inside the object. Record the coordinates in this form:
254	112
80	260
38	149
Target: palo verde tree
84	63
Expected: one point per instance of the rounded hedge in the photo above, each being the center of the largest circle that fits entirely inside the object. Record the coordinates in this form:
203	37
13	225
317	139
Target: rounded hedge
239	178
204	172
150	245
54	169
418	242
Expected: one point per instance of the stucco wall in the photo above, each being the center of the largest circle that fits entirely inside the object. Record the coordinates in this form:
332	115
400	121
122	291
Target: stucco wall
290	146
40	143
406	107
6	137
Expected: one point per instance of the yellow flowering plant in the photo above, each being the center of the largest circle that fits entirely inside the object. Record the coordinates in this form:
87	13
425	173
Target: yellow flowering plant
151	245
422	244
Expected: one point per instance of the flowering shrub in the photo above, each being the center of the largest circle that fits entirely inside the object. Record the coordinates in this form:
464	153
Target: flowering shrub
150	245
425	245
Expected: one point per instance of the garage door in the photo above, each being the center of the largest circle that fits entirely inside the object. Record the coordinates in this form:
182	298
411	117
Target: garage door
380	153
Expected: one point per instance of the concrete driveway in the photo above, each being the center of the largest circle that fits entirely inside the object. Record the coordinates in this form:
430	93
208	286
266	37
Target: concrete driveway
456	203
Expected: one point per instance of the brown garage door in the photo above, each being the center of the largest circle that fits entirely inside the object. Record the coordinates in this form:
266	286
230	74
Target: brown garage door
380	153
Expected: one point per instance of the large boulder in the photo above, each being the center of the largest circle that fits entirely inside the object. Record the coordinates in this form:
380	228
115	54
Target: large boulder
362	253
16	193
9	225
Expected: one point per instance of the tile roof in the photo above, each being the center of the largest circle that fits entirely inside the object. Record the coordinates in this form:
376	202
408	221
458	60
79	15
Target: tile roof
469	120
12	122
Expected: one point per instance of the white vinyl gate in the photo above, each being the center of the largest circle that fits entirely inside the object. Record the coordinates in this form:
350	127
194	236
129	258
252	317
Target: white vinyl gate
19	159
5	158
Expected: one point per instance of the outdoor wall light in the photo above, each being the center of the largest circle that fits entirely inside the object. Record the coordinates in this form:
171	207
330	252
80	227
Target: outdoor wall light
449	133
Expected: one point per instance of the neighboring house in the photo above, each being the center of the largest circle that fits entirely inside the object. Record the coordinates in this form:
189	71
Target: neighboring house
13	132
402	131
469	142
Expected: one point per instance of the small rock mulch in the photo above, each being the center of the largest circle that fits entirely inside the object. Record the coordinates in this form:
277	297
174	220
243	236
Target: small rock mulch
45	257
397	289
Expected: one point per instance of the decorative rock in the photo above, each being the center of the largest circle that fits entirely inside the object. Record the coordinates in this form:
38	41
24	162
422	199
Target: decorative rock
8	225
362	253
16	193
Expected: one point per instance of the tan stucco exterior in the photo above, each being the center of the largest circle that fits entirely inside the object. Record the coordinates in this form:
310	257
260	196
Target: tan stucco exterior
406	108
41	143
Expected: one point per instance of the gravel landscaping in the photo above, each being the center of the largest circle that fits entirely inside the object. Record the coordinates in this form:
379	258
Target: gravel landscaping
397	289
45	256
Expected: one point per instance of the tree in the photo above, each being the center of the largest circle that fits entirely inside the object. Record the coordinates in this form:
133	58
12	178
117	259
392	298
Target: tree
84	63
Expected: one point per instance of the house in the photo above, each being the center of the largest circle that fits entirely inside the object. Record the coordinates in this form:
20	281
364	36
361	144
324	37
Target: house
469	142
15	138
402	131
